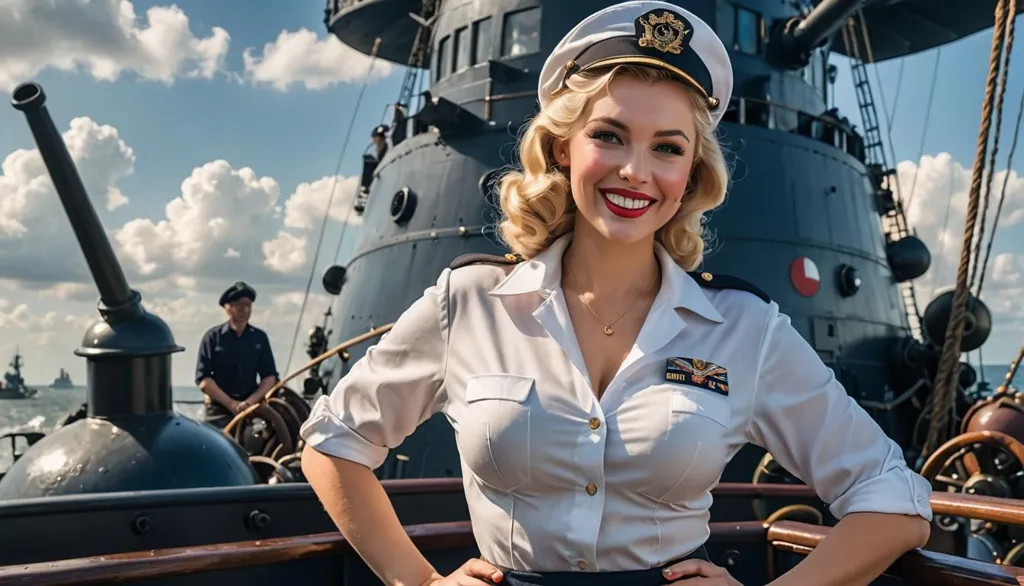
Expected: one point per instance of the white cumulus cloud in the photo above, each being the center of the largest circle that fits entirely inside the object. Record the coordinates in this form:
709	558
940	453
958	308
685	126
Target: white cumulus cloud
303	58
226	220
937	211
32	235
105	38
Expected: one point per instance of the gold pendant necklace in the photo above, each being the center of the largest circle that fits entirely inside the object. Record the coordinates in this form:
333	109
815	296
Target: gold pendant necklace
608	326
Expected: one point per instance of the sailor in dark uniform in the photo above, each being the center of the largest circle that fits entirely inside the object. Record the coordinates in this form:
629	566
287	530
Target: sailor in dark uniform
231	356
379	137
597	389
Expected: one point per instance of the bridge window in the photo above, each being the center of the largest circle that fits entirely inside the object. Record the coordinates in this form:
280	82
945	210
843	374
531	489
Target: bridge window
725	18
462	48
444	58
748	31
521	34
481	40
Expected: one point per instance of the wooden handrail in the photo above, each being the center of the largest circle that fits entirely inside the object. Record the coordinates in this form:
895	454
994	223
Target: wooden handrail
982	508
230	427
786	535
129	567
970	506
919	566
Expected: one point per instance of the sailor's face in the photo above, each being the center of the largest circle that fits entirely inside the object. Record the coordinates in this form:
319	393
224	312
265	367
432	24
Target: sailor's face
630	158
239	310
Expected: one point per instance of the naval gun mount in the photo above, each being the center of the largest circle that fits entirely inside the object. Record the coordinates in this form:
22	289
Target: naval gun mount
792	40
131	439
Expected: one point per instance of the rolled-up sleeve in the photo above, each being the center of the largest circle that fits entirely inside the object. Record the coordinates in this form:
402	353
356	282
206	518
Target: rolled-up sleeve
204	358
397	385
803	416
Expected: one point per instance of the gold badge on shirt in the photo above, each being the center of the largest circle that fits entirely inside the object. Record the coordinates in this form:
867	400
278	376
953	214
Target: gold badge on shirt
698	373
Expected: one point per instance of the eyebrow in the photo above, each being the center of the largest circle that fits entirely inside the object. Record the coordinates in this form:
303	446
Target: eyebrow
617	124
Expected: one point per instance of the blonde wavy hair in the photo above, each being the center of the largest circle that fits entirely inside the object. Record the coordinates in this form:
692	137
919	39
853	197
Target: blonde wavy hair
536	201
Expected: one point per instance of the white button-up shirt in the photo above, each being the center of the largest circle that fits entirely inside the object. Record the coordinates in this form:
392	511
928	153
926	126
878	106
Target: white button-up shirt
556	479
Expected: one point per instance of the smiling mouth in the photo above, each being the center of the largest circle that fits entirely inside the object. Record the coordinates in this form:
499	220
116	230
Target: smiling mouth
625	206
629	203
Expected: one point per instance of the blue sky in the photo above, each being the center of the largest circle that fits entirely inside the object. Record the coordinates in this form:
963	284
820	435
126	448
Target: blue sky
293	133
293	136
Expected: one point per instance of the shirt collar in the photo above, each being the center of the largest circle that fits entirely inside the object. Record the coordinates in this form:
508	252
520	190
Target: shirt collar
542	274
226	327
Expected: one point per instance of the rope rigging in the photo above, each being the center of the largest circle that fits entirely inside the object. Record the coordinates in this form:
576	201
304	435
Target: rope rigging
330	201
419	59
419	56
894	221
924	130
1002	194
1003	72
899	85
1011	373
946	379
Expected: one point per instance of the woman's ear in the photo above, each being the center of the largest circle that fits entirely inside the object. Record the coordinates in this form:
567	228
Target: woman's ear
561	152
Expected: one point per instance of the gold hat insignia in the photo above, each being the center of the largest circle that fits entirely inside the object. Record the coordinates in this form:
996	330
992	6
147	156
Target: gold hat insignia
664	33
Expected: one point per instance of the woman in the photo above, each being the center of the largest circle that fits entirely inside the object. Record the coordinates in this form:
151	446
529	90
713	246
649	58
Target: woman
597	389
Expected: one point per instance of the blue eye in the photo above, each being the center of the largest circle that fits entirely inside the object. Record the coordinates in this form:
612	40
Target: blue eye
602	136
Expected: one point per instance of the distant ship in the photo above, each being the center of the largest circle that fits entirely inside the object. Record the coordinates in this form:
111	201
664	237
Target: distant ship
63	381
13	385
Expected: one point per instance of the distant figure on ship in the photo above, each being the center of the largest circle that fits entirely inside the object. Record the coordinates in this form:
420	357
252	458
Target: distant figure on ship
379	136
231	355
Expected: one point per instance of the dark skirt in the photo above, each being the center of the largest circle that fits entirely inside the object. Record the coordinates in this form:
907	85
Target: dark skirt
650	577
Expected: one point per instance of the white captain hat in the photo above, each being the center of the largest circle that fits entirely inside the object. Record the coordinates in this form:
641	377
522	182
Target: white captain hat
644	32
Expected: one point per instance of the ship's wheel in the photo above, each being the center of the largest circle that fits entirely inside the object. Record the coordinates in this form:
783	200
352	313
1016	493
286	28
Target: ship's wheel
988	463
769	471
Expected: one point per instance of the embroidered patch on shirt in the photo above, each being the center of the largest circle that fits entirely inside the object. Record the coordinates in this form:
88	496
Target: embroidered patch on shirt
698	373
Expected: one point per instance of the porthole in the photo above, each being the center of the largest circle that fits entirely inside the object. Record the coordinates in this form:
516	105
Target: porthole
848	280
403	204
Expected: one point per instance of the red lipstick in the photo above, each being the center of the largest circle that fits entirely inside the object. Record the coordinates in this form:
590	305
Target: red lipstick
621	211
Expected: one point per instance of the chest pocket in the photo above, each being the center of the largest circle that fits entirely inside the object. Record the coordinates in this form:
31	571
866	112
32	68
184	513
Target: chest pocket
687	449
221	358
494	434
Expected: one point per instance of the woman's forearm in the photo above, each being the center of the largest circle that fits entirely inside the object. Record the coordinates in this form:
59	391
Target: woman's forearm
857	550
358	505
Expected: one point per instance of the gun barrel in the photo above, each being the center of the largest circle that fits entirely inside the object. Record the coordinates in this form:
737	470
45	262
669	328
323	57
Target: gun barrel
823	21
30	99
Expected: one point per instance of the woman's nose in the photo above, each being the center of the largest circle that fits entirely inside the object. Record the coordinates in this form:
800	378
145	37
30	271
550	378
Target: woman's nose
636	170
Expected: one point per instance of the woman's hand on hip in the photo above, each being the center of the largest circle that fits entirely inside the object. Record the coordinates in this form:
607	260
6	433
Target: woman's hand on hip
475	572
699	572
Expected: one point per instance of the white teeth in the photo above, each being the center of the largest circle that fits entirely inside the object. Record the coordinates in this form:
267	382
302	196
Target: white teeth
626	202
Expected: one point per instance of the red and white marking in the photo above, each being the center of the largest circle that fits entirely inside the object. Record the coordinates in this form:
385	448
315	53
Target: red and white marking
804	275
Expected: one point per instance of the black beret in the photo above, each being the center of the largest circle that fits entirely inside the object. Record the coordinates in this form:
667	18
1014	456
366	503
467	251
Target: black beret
239	290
